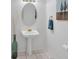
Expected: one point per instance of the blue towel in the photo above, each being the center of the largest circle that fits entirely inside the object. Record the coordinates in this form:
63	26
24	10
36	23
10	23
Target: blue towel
50	24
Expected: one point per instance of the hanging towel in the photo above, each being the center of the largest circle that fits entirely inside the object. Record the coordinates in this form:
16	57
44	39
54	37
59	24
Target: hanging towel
50	24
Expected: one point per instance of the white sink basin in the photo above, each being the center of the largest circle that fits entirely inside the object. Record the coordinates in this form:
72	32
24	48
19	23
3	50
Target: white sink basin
28	33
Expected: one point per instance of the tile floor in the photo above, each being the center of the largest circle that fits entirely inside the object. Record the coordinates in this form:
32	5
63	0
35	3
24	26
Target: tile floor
35	56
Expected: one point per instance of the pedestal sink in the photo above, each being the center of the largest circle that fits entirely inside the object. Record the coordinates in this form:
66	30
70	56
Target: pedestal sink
28	34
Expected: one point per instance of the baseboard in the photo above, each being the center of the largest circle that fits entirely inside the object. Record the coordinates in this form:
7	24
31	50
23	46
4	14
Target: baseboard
38	51
23	53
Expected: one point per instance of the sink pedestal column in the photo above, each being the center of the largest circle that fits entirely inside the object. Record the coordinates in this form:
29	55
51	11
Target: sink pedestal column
29	35
29	47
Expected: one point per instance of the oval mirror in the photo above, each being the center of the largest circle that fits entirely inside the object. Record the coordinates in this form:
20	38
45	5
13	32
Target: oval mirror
29	14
